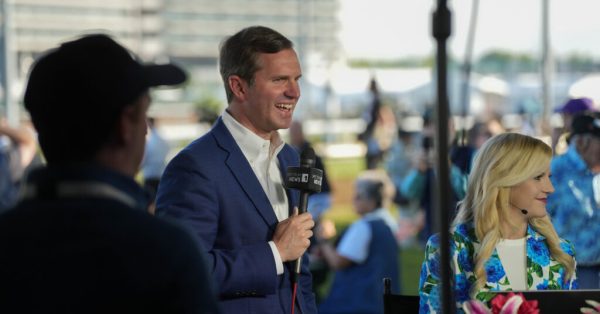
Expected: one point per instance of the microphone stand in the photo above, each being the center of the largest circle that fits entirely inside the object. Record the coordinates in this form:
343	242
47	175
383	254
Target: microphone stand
441	32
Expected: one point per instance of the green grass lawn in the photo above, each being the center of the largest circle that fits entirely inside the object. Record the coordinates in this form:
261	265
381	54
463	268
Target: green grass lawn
342	173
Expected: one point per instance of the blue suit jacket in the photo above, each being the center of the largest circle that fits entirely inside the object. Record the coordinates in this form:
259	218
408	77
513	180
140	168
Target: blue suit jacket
211	187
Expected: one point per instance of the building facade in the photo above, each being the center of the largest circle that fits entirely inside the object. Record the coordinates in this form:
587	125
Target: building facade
185	31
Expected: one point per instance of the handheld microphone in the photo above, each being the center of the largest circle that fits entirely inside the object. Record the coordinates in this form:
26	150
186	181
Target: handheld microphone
306	179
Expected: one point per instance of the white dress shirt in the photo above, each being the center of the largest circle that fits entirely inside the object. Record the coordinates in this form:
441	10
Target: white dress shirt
355	243
262	157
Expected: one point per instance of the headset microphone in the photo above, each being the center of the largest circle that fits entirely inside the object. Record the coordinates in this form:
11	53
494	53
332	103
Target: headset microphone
523	210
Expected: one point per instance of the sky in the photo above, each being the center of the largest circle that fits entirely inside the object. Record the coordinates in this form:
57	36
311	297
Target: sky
392	29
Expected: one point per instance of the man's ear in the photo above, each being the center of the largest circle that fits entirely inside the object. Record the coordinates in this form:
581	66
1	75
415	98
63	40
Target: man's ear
583	142
126	125
238	86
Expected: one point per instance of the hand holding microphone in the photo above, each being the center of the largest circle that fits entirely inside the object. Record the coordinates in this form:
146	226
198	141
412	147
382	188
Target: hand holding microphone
308	180
292	236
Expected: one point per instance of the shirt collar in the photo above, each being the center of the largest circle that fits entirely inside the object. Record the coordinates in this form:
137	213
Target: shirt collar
376	213
248	141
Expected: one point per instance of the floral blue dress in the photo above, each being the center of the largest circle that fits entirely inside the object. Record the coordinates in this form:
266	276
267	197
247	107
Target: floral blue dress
543	272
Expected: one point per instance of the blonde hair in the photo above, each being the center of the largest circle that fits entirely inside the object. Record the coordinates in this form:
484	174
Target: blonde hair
504	161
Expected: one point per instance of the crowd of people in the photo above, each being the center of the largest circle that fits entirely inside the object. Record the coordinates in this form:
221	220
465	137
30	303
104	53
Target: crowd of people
215	230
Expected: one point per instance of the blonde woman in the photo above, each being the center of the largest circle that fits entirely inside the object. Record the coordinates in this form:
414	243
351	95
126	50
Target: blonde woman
502	238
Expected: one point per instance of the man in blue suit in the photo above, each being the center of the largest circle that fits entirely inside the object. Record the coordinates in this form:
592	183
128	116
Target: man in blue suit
228	184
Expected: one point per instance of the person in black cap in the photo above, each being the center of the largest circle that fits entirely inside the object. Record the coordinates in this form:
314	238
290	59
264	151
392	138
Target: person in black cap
575	205
80	240
572	108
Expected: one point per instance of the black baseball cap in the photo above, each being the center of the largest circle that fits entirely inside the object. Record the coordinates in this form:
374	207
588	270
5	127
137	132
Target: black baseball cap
76	93
94	72
586	124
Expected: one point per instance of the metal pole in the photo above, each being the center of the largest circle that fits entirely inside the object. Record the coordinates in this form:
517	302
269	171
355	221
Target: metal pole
303	30
547	66
441	32
466	88
12	107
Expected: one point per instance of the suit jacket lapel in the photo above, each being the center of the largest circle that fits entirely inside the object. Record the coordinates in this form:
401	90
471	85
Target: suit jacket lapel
241	170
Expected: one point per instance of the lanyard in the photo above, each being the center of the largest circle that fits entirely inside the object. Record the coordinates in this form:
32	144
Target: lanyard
82	189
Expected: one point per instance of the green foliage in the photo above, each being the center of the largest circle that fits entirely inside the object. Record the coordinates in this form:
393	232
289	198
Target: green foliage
410	62
500	61
411	259
578	63
208	109
486	296
538	270
556	268
427	289
344	168
506	63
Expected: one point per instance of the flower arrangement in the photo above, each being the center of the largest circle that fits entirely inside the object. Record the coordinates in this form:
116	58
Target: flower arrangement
515	303
503	304
594	309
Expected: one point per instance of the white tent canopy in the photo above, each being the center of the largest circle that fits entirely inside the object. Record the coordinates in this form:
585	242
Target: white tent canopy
587	86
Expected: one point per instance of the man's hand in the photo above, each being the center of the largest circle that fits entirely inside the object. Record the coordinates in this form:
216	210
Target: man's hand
292	236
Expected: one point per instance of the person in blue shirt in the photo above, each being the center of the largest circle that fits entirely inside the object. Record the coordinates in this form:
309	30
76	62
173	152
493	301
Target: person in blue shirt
367	252
502	238
17	152
418	185
155	160
575	207
419	182
398	161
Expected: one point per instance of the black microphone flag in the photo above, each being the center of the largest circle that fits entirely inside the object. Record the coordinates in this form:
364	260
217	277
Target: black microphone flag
305	178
